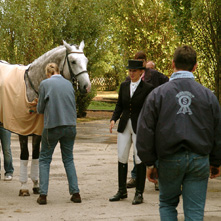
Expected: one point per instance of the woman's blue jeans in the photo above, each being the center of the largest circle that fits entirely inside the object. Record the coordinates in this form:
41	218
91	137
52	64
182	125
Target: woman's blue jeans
50	137
184	173
5	137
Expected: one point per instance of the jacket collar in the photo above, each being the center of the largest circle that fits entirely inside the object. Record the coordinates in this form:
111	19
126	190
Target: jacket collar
139	89
182	74
56	75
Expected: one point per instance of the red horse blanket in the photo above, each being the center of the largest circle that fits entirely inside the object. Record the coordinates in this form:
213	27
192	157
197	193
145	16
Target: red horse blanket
16	113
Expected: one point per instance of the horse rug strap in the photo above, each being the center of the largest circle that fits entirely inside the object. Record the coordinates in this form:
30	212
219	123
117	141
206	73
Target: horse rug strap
30	82
14	105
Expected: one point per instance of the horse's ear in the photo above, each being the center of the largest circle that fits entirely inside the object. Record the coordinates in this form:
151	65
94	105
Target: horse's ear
81	47
68	47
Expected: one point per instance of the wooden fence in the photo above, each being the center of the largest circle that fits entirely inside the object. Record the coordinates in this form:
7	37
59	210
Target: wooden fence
104	84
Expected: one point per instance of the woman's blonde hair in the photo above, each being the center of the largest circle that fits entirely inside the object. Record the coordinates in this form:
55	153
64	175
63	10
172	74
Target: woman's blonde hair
51	69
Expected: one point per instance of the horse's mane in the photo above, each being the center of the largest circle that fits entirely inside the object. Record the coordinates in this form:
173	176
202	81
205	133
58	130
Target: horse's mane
47	54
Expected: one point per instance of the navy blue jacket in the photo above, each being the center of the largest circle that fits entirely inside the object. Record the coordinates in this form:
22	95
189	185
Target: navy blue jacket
181	114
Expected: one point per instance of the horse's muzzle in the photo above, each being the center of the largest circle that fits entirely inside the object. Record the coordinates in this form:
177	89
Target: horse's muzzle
88	89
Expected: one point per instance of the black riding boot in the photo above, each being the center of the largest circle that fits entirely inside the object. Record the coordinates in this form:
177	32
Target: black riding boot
140	183
122	179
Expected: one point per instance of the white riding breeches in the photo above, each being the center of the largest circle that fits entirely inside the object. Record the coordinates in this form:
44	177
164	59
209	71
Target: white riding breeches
124	141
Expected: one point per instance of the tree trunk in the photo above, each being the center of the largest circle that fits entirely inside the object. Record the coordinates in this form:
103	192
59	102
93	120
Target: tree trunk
219	86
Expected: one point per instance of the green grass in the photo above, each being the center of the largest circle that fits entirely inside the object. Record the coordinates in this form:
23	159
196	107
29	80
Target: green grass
99	105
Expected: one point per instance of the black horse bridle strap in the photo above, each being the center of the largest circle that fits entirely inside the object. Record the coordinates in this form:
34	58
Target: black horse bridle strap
73	76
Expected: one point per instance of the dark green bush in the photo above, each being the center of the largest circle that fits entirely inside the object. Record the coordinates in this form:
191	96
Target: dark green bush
83	101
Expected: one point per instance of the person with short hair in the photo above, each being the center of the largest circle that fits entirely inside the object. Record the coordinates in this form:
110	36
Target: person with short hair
150	64
130	101
57	103
151	75
5	137
180	128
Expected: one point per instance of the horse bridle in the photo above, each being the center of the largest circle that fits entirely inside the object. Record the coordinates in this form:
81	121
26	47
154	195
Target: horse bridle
73	76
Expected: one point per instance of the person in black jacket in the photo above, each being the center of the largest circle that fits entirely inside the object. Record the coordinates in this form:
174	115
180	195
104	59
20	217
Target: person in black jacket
155	78
150	64
130	101
180	127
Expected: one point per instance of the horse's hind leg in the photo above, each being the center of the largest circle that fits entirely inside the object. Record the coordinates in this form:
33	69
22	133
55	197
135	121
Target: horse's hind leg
23	165
36	140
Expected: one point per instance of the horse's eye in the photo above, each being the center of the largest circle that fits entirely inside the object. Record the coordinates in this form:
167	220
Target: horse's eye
73	62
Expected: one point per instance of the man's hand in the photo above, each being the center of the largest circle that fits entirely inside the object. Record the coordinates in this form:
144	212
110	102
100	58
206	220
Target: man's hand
111	125
152	175
214	172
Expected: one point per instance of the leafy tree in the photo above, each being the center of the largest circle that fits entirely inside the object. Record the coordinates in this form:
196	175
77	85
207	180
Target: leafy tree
23	30
114	31
143	25
30	28
198	23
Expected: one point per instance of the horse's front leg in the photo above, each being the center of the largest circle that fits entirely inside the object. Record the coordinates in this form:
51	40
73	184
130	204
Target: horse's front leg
24	166
36	140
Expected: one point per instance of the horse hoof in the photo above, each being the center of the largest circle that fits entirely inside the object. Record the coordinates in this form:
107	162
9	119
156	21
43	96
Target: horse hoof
24	193
36	190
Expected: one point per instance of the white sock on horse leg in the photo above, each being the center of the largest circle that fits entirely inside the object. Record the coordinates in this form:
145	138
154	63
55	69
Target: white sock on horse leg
24	186
23	171
35	171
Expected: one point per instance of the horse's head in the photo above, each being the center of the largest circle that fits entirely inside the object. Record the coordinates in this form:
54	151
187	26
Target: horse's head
75	66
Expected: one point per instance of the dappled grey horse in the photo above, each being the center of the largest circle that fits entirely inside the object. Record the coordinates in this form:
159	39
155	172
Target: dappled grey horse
73	66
